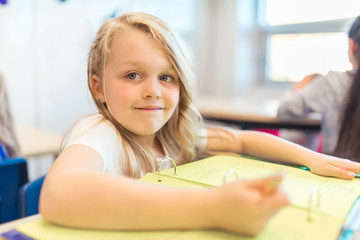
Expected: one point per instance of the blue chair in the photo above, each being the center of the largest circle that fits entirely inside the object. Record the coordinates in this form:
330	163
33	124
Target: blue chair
13	174
3	154
29	197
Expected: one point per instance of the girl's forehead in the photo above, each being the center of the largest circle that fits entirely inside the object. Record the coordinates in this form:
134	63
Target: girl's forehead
135	43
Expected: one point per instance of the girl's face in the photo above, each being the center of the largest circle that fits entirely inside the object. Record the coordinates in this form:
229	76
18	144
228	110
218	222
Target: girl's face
141	88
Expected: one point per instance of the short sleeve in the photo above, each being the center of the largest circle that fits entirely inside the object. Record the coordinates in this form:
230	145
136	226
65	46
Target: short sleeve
99	134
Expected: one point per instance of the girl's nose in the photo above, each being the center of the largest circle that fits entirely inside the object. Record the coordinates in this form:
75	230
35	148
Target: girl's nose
152	89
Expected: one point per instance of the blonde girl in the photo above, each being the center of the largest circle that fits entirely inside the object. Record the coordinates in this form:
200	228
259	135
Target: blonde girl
141	79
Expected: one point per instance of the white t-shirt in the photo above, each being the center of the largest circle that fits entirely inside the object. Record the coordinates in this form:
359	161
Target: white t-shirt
100	134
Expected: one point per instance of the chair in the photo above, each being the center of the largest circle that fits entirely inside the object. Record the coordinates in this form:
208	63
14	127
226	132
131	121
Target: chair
13	174
2	152
29	197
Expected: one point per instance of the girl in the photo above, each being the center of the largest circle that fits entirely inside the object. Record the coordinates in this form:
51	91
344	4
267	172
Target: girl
144	87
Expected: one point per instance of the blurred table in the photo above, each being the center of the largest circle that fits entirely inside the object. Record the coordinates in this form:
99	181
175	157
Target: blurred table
249	113
35	141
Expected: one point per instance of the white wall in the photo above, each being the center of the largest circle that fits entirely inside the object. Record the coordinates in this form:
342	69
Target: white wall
16	57
43	48
216	47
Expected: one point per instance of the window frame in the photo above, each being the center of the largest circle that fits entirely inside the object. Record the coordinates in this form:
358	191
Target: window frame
264	32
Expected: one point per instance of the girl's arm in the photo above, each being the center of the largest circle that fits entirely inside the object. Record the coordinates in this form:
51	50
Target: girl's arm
76	193
269	147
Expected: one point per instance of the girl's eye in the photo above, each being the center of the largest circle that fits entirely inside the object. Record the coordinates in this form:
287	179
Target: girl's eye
132	76
166	78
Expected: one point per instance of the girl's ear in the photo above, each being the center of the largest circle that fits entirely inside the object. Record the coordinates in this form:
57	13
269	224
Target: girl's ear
97	88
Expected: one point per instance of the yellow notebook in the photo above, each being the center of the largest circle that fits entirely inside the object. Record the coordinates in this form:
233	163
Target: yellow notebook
335	196
319	206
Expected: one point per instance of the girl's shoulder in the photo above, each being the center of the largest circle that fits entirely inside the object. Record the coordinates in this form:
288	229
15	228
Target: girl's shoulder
339	79
338	84
98	133
93	127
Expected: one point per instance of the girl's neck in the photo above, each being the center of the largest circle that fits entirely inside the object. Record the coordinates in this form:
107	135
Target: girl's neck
152	143
158	148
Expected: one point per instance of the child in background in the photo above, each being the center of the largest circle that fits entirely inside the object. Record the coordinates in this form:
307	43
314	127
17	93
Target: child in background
309	139
9	145
348	144
325	95
142	82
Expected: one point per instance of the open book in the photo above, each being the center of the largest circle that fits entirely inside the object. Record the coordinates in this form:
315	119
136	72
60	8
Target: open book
319	206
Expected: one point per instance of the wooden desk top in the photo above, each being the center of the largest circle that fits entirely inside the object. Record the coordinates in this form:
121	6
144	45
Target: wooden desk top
239	108
251	112
35	141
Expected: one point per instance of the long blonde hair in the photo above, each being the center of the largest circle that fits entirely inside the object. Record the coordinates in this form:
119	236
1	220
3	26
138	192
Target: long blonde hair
7	131
178	135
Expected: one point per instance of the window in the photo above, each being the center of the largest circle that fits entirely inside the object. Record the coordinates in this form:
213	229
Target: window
303	37
292	56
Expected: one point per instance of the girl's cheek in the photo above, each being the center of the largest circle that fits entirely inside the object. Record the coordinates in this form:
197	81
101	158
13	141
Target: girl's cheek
122	92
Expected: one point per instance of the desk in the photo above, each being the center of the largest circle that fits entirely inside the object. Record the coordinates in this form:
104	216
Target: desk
35	141
11	225
326	218
250	113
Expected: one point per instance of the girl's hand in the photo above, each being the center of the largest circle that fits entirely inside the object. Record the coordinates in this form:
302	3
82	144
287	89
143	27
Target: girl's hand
245	207
331	166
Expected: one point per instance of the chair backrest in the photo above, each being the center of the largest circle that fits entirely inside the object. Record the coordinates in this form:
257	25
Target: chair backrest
29	197
13	174
3	154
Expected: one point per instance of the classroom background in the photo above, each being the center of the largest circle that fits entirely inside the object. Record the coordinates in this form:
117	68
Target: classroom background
241	47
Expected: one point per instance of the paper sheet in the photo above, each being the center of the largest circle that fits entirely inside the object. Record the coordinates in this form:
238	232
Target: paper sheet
289	224
336	195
